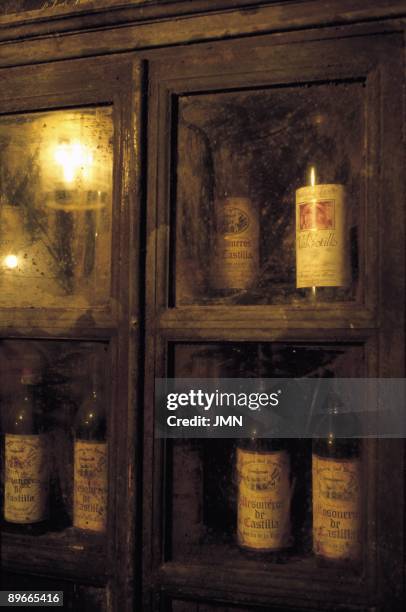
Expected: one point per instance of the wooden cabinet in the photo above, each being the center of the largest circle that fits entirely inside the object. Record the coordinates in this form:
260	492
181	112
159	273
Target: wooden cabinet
254	110
69	297
185	104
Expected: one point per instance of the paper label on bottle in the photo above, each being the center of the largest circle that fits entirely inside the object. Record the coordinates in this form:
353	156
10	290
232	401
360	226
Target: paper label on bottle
264	493
336	508
236	251
90	485
26	478
321	237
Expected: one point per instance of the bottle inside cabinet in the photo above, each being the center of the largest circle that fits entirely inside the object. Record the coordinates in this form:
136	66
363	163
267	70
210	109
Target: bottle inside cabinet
242	171
264	484
90	460
250	499
336	489
26	459
264	497
59	408
323	267
235	253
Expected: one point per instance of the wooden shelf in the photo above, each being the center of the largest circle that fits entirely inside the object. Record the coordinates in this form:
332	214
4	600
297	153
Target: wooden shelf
212	573
56	554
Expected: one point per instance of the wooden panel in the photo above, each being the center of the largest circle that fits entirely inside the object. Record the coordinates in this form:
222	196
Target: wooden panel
57	554
90	599
261	588
211	21
77	597
184	606
189	606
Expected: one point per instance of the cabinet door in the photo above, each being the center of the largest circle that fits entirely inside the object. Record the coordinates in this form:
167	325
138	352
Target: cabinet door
68	213
232	128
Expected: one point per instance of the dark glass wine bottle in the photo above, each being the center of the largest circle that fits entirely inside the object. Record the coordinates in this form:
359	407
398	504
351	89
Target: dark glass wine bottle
322	235
26	461
235	254
90	462
336	488
264	497
264	479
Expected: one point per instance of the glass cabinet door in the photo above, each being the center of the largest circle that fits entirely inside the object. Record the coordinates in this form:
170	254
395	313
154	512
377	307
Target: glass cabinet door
205	501
275	228
67	208
269	195
56	171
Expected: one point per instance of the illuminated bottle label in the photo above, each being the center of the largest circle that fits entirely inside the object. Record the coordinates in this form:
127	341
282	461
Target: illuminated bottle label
236	253
336	508
264	494
90	485
321	237
26	479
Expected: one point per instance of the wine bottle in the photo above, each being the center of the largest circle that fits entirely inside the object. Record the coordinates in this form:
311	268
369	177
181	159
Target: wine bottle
26	461
336	488
235	264
235	256
322	241
264	496
90	462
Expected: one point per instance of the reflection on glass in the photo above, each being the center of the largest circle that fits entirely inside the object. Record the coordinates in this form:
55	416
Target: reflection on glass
55	208
241	157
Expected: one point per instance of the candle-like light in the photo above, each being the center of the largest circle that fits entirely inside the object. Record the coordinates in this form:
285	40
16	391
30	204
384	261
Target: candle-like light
11	261
75	159
312	176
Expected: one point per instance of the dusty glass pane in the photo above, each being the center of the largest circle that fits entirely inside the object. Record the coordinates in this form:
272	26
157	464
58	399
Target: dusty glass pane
203	490
55	208
241	158
62	379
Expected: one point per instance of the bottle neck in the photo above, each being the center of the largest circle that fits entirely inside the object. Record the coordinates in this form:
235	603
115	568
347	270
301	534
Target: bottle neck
90	423
23	419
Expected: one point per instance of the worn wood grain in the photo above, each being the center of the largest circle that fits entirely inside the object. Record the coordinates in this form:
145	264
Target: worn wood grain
104	39
59	554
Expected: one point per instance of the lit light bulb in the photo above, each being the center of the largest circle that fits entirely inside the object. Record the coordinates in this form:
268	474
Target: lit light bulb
11	261
75	159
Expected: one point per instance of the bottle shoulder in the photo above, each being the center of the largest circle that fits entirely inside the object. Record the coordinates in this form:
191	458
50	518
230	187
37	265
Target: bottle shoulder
90	422
262	445
20	416
337	448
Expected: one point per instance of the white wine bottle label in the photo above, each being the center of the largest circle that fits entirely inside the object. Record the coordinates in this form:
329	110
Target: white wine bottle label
90	485
26	483
336	508
321	237
236	252
264	493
